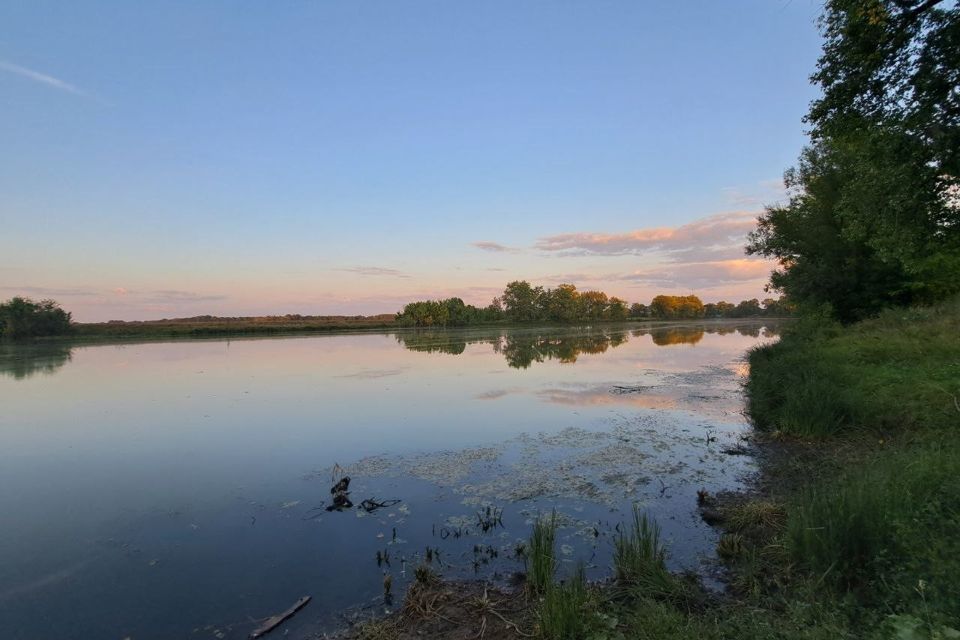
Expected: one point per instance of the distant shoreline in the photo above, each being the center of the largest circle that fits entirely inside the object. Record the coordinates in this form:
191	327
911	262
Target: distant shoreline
333	325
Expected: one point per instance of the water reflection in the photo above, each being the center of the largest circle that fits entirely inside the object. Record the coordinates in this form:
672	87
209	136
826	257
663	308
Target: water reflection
522	348
22	361
162	487
681	335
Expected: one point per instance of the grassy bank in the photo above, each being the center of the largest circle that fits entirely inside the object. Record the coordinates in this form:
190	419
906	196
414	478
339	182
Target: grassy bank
852	531
216	326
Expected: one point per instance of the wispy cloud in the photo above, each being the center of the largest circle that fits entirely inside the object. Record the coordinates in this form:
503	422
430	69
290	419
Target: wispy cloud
375	271
702	274
494	247
176	296
763	193
48	80
724	230
45	291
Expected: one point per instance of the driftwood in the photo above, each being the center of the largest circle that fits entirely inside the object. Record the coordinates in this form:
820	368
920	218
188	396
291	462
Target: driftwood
277	620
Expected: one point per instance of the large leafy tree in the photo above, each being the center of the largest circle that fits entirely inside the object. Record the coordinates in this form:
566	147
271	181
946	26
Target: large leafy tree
24	318
873	216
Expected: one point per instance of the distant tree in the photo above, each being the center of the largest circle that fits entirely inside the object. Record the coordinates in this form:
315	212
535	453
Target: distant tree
638	310
561	304
617	309
748	308
24	318
520	301
593	304
676	307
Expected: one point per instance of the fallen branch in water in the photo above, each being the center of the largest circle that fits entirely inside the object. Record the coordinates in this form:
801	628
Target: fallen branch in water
277	620
370	504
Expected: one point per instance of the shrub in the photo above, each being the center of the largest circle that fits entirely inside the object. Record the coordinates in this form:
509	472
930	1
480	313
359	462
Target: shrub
24	318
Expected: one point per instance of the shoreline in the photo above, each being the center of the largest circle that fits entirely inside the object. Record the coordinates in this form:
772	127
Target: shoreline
91	333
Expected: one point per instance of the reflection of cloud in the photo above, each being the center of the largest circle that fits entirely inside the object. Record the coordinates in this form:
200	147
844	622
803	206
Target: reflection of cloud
495	247
494	394
375	271
371	374
603	395
721	230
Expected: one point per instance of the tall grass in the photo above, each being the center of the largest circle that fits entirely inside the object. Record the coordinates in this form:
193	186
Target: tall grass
638	559
564	610
898	371
542	556
888	529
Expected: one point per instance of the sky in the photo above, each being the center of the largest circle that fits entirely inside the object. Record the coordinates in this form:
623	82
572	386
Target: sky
318	157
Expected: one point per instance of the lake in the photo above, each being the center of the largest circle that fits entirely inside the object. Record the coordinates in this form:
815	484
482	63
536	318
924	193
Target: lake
179	489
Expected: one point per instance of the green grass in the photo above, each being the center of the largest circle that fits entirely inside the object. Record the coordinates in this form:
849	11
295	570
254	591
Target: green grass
898	371
217	326
638	559
880	536
565	609
542	554
885	527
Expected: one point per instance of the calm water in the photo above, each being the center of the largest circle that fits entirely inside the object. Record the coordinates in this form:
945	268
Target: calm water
170	489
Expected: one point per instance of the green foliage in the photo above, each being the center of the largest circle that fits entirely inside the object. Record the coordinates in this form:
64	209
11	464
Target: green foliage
638	310
676	307
882	531
887	529
638	560
873	219
451	312
893	372
24	318
523	303
565	611
542	555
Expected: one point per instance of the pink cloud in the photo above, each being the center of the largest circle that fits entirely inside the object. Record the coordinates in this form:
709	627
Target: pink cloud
495	247
721	231
705	273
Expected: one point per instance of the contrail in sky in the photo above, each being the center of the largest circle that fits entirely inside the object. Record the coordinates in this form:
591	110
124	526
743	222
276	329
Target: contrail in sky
43	78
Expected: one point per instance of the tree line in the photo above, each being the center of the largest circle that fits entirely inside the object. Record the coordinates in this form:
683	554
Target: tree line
522	302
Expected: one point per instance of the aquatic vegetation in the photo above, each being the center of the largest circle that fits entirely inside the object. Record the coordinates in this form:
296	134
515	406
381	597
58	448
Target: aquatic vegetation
564	610
731	545
756	514
638	558
542	560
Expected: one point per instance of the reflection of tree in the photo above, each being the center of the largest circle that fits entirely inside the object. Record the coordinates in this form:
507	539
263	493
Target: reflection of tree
25	360
520	349
433	342
523	347
677	335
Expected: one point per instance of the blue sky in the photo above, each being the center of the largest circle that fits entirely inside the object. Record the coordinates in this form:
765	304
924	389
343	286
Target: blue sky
234	158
